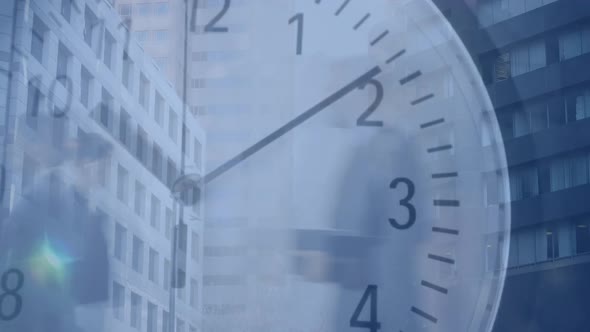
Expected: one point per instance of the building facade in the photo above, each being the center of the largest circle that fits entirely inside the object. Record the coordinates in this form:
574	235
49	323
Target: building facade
70	68
533	56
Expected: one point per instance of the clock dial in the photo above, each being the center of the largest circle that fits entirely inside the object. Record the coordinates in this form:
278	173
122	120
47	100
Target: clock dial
369	168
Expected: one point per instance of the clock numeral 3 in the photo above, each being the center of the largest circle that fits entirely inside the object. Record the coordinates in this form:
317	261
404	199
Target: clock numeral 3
363	121
373	325
405	203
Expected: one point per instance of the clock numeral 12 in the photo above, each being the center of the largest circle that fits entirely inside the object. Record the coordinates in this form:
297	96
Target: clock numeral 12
299	19
373	325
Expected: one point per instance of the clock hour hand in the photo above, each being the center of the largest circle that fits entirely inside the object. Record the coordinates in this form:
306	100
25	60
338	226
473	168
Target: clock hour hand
361	80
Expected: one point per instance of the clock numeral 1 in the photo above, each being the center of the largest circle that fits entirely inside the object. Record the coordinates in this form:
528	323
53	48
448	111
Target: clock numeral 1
373	325
299	19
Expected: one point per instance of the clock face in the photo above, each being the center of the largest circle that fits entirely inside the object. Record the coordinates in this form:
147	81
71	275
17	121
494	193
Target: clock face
365	157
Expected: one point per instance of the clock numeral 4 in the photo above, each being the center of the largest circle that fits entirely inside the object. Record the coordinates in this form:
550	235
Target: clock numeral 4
373	325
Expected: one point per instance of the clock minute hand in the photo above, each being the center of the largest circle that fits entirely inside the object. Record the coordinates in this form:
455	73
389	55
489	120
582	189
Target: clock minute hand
361	80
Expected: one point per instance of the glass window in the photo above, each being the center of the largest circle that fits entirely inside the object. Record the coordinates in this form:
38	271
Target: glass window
124	119
135	317
186	136
526	246
167	271
66	9
122	184
143	9
539	117
502	67
161	35
141	145
501	10
152	318
144	91
137	255
519	60
157	161
165	321
169	223
180	325
109	49
38	39
85	87
125	10
557	175
577	104
521	123
552	239
106	108
63	59
30	171
194	293
155	212
120	242
141	35
139	205
153	266
93	31
197	157
34	102
159	109
173	125
171	173
582	236
576	171
570	45
162	8
118	301
127	73
524	182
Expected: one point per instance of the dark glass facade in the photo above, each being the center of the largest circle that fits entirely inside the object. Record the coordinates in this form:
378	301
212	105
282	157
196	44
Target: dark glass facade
534	56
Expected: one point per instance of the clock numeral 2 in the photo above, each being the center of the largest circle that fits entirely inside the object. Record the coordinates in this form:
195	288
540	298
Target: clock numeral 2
363	121
299	19
373	325
210	27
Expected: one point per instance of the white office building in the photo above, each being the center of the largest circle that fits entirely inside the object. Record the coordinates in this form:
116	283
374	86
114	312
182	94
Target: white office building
76	57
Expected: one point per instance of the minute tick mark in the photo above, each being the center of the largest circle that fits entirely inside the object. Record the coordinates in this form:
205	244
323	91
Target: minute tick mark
410	77
432	123
422	99
395	56
424	314
441	259
342	7
362	21
380	37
